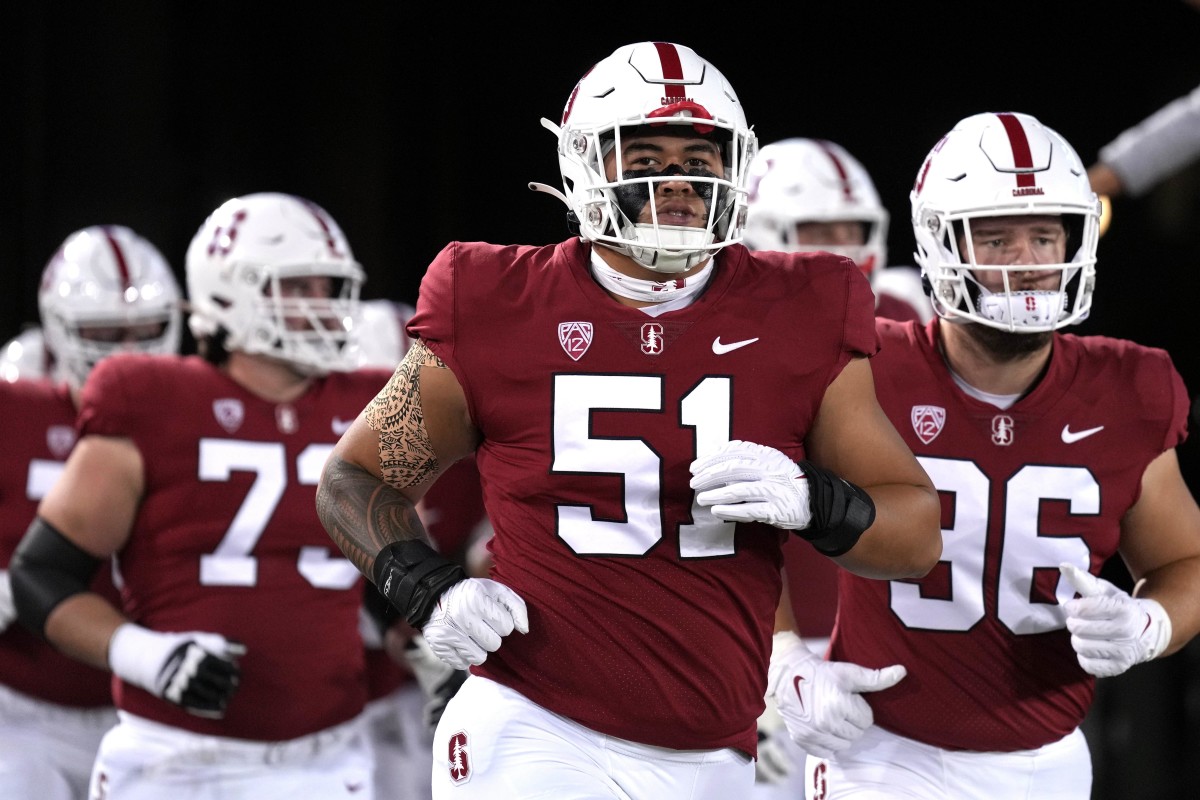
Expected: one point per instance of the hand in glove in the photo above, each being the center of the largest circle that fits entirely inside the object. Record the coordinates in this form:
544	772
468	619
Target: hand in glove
1110	630
8	609
471	618
747	482
775	762
820	700
437	679
197	671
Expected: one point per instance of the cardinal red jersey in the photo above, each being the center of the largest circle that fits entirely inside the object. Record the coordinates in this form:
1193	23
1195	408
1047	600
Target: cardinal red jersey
990	663
811	577
227	539
649	619
39	432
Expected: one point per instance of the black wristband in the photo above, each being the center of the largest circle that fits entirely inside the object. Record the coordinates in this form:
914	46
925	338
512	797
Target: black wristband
412	576
841	511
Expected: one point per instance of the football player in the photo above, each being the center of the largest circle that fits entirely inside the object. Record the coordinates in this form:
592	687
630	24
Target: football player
805	195
1053	453
637	398
236	650
105	290
811	194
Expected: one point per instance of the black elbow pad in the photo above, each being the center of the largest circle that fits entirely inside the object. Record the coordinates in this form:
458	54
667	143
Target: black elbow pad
46	569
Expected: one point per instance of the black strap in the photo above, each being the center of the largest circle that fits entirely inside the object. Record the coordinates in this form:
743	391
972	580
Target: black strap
841	511
412	576
46	569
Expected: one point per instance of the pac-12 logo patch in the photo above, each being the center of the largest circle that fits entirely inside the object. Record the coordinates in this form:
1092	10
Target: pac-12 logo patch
459	758
575	338
928	421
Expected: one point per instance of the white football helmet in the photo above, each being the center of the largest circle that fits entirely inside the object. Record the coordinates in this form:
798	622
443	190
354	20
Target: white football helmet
104	291
1003	164
810	180
236	263
652	84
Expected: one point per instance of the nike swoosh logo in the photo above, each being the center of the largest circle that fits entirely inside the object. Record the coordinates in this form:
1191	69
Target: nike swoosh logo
719	348
340	425
1070	436
796	685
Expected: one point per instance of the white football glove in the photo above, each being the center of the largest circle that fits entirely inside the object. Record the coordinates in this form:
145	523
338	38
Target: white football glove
747	482
438	680
1110	630
775	762
8	609
820	700
470	619
196	671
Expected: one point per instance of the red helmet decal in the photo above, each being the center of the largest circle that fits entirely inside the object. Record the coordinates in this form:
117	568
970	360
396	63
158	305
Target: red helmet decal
675	100
847	189
119	255
575	93
695	110
928	163
1022	157
319	216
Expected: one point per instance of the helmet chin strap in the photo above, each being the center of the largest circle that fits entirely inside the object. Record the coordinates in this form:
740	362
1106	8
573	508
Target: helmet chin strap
670	248
1026	309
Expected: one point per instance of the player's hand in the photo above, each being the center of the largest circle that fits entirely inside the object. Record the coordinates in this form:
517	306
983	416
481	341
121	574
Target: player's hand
1110	630
775	763
196	671
747	482
438	680
820	701
8	608
471	618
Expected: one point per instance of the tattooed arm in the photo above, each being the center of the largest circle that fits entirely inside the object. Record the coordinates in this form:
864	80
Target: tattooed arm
414	429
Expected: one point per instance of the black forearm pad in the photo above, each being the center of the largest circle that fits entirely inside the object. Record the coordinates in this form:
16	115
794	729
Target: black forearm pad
46	569
412	576
841	511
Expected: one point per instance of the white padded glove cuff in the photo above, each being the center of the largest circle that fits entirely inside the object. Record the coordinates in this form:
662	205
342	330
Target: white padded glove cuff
137	654
1157	635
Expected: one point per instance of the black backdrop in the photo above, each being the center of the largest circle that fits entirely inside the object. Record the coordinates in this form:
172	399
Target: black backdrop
414	125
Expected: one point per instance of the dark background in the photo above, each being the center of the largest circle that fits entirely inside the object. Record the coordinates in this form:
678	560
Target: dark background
415	125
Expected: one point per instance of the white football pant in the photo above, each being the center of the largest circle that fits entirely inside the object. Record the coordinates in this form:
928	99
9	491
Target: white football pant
495	743
884	766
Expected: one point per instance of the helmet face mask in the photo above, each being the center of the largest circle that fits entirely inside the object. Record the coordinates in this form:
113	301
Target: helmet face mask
1005	166
106	290
276	275
799	181
653	89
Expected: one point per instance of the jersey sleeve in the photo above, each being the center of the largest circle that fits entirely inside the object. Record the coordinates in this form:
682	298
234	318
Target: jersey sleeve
434	322
1170	401
104	408
861	337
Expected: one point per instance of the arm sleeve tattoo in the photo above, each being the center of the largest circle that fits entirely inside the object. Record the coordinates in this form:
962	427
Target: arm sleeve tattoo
406	455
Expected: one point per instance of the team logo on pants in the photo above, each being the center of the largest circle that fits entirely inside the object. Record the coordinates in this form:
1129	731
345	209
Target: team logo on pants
459	758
